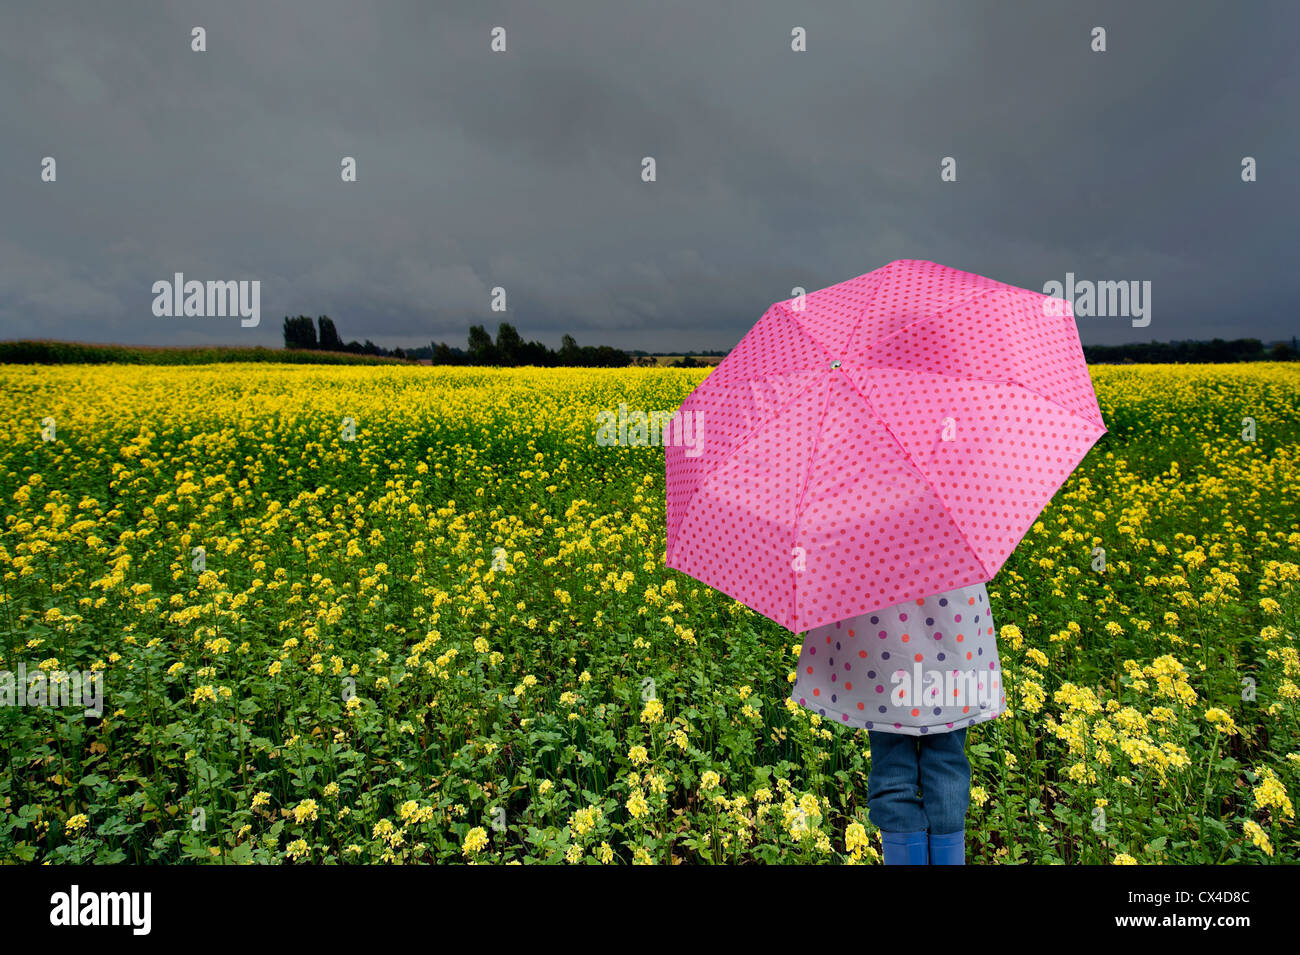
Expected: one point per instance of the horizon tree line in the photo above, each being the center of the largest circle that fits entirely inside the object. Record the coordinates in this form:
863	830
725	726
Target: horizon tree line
509	348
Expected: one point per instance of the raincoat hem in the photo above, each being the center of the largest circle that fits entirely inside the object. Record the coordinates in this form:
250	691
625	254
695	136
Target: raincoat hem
858	721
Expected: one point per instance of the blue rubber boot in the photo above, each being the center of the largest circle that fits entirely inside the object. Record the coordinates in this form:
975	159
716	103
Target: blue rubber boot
948	848
904	848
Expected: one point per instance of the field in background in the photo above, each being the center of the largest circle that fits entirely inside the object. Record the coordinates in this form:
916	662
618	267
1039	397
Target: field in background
663	361
444	631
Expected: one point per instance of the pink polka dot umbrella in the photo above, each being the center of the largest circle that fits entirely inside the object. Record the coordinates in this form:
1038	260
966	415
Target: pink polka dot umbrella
884	439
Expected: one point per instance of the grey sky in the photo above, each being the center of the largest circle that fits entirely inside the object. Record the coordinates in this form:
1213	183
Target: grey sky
522	169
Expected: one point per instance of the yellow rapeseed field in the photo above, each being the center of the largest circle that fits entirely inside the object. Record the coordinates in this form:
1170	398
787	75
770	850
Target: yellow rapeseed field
402	614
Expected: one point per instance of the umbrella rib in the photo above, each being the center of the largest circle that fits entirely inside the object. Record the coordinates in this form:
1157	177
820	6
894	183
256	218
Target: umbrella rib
933	315
686	506
992	381
907	456
803	491
1072	413
784	311
862	315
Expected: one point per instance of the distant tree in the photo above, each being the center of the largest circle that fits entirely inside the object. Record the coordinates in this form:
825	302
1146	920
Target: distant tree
535	353
509	345
569	352
481	349
329	336
1186	351
443	354
299	332
1282	352
608	357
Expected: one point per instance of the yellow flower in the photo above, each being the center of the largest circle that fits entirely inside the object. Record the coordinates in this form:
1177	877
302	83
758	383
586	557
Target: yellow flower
1221	721
1271	794
76	823
855	839
1032	695
412	813
476	841
584	820
1257	836
1010	633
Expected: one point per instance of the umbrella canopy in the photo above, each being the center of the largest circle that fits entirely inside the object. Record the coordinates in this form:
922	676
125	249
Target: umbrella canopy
887	438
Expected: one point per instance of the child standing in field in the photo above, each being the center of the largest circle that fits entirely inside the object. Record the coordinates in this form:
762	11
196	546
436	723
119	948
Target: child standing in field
915	675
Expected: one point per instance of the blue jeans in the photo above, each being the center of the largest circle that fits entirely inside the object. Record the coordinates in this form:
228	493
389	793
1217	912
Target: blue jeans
901	765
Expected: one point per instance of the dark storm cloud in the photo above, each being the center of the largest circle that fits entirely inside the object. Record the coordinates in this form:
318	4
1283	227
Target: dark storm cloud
521	170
